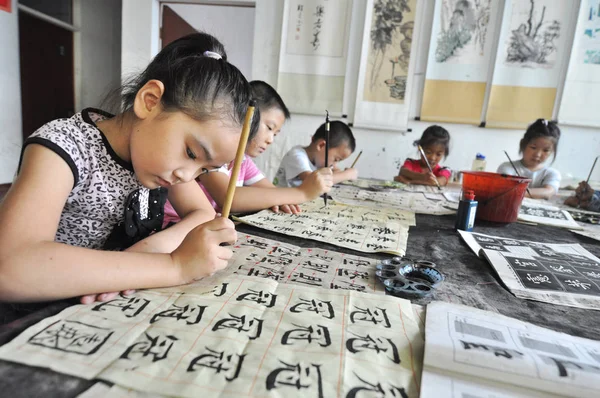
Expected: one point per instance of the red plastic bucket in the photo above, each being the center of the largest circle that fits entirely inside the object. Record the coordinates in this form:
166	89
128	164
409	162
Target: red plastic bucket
499	196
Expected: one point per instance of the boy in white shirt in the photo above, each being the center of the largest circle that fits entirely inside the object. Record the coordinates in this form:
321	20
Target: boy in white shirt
300	161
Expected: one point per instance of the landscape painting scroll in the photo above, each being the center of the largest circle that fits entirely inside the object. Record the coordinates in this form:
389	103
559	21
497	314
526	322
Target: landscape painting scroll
532	54
460	52
386	70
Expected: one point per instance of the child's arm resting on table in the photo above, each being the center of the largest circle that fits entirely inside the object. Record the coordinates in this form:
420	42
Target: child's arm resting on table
260	196
551	183
33	267
545	192
345	175
286	208
414	177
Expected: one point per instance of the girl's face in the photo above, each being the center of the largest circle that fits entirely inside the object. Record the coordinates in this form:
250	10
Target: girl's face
434	154
537	152
171	147
270	124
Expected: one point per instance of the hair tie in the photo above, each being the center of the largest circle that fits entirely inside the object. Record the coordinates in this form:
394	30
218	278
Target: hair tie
211	54
545	122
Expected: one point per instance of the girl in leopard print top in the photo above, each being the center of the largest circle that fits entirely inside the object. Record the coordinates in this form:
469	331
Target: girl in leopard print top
109	177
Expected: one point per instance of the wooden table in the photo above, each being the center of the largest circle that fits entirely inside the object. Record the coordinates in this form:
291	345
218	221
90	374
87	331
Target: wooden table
469	280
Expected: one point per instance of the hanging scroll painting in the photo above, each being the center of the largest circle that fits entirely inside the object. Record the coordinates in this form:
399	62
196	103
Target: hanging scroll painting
459	60
581	95
312	61
385	73
531	54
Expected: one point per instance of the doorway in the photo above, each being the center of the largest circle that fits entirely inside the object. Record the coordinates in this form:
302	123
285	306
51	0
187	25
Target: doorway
47	85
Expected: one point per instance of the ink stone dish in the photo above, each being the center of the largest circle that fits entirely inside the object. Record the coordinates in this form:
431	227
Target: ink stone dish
403	277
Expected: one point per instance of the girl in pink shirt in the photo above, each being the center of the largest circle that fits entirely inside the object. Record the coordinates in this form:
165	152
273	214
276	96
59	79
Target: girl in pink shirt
256	192
435	142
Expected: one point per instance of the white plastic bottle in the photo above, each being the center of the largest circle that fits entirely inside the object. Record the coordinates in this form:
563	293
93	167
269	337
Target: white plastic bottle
479	163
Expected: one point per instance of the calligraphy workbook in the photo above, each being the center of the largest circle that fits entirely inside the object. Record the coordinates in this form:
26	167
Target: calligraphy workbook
237	336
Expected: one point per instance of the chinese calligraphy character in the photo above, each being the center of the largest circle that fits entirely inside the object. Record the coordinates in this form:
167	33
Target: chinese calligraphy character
312	234
72	336
283	228
300	277
222	291
219	361
497	351
297	376
318	333
390	391
538	279
313	266
317	306
256	243
378	344
342	239
384	230
259	297
375	246
357	262
353	274
345	285
376	316
156	347
131	306
251	326
578	284
564	365
269	273
191	315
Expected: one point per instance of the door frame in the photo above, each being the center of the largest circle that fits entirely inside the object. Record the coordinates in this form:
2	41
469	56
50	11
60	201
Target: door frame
73	27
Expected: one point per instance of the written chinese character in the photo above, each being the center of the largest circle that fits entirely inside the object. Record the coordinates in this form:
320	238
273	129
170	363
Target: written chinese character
376	316
345	285
255	243
323	307
342	239
268	273
314	266
497	351
155	347
310	333
357	262
71	336
389	390
298	376
377	344
312	234
190	314
300	277
260	297
352	274
131	306
251	326
220	361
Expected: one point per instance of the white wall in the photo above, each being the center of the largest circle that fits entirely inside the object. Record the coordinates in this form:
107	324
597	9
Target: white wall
382	150
99	68
217	21
10	96
139	35
140	32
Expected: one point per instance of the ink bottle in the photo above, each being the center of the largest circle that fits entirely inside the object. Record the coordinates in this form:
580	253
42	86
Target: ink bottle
465	217
479	163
